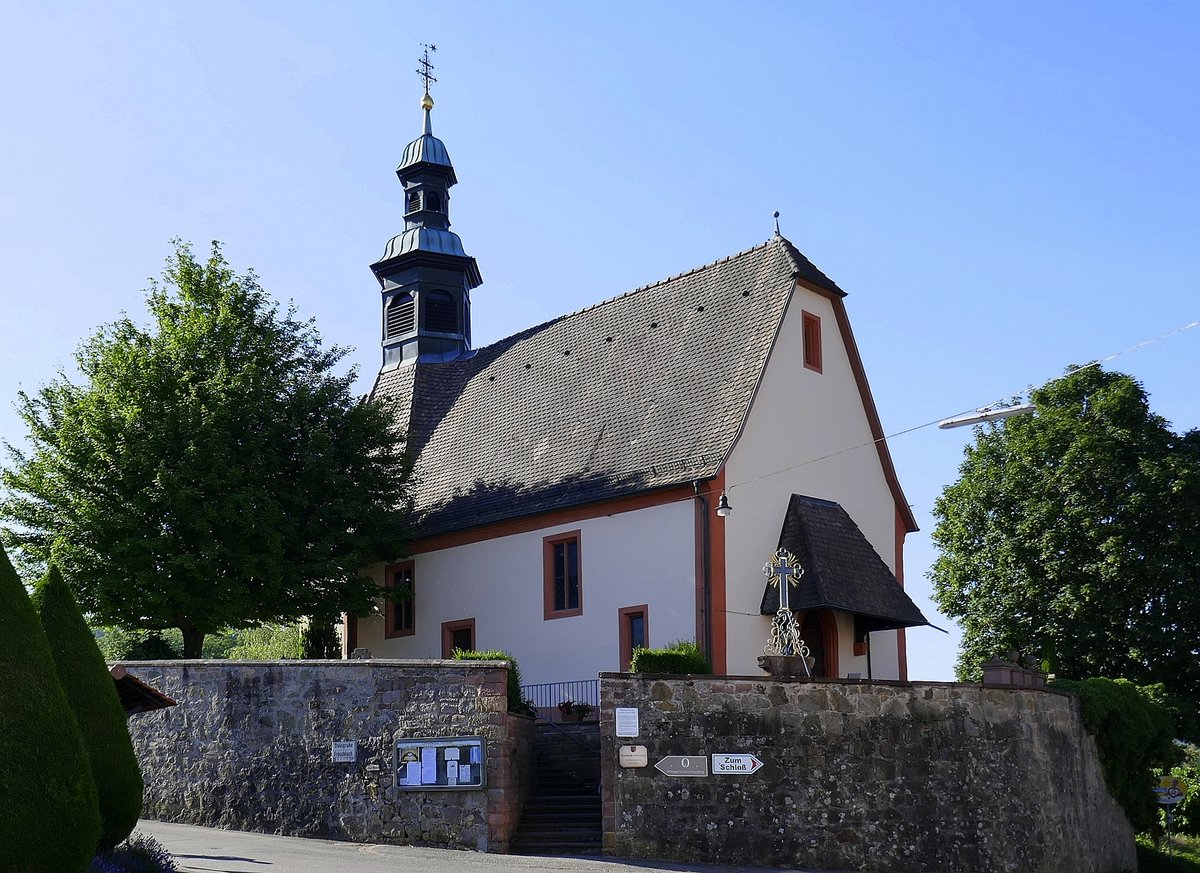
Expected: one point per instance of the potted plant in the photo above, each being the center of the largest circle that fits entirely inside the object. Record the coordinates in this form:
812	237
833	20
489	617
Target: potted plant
572	711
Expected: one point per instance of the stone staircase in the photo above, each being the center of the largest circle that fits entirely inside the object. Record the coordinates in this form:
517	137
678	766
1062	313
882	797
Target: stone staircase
562	816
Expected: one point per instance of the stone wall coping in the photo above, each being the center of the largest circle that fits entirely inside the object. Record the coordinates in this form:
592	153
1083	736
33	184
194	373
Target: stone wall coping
361	663
890	683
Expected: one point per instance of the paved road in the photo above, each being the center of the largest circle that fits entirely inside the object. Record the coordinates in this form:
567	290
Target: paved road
206	850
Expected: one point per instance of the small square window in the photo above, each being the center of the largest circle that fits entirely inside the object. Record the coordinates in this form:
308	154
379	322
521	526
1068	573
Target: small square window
458	635
400	613
812	341
562	575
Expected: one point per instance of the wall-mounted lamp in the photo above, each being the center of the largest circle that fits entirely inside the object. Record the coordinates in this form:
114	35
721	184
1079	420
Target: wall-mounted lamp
723	507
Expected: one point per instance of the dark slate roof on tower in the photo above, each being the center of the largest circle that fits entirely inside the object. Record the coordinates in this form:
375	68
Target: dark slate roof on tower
841	569
643	391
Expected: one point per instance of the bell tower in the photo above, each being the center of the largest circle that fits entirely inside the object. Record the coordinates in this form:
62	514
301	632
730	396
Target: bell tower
425	276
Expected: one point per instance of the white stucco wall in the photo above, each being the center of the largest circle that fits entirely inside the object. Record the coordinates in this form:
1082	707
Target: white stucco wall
644	556
807	433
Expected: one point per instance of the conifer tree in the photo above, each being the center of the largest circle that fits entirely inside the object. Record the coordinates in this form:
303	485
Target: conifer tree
93	697
49	817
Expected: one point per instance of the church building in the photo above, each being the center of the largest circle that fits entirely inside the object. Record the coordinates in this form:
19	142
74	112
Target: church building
618	476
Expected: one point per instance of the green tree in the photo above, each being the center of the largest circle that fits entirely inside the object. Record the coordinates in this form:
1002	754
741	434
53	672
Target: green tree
211	471
49	818
93	698
1074	535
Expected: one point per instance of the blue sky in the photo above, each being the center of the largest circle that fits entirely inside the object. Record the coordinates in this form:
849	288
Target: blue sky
1003	189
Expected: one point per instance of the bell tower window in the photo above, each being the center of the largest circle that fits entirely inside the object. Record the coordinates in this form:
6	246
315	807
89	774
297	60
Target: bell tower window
400	317
413	202
433	201
441	312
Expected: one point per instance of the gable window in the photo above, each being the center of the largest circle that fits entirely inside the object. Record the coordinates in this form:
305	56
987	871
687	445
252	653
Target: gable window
633	631
562	581
458	635
441	312
400	317
400	605
812	341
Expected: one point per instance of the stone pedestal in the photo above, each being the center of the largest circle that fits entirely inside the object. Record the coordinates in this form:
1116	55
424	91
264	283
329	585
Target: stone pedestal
786	666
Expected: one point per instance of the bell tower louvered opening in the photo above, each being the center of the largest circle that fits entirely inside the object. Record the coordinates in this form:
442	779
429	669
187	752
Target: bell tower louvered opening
400	317
441	312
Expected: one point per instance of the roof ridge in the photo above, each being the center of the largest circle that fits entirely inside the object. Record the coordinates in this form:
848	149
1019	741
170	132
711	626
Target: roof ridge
637	290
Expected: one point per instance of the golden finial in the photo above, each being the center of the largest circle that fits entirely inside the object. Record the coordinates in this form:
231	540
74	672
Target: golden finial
426	102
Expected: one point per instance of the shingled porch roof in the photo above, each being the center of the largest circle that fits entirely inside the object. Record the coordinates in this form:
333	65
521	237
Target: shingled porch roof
841	569
641	392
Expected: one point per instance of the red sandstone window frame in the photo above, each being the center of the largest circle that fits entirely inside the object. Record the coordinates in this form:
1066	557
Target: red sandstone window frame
550	562
811	328
400	616
448	630
625	632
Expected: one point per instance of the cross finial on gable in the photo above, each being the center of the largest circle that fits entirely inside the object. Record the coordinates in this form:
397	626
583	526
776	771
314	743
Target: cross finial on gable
426	69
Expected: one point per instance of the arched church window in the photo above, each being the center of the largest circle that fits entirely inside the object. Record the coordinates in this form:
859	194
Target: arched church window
400	317
433	201
414	201
441	312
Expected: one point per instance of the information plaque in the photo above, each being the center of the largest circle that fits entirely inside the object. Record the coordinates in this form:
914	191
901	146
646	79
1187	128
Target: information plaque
440	764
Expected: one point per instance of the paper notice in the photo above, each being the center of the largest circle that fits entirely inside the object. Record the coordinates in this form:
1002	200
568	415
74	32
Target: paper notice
428	766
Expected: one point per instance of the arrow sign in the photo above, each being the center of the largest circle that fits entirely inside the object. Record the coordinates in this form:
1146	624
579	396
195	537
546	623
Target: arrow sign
740	765
683	765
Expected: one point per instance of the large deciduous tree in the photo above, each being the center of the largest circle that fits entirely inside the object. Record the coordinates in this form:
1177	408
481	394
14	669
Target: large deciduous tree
209	470
1074	535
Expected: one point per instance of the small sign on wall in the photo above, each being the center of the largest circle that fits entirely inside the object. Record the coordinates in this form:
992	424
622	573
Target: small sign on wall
633	756
443	763
627	721
345	751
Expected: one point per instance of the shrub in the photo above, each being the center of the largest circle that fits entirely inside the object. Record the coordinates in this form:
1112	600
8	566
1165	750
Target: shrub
271	642
1187	812
122	644
515	702
681	657
320	639
1134	737
49	818
93	698
140	854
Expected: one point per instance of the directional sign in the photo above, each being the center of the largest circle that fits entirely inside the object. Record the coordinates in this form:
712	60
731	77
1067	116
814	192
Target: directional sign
683	765
741	765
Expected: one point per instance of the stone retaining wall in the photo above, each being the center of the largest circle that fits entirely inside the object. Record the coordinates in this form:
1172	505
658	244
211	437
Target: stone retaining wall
893	777
249	747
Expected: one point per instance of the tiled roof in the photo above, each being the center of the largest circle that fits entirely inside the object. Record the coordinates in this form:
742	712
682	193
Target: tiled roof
639	392
841	569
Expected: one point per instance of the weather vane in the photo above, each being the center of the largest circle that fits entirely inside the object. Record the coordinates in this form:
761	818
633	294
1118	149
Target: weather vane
426	69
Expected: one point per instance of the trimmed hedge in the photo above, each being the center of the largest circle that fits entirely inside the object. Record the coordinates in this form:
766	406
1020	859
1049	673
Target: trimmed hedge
682	657
1135	735
515	702
93	697
49	817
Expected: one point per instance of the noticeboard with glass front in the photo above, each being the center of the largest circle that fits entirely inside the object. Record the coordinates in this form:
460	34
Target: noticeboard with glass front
440	763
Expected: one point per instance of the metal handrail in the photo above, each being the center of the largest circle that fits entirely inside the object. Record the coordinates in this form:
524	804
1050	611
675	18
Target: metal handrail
548	695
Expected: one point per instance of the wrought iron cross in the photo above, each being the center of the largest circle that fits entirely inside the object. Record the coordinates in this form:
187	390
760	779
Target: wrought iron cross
426	69
782	567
